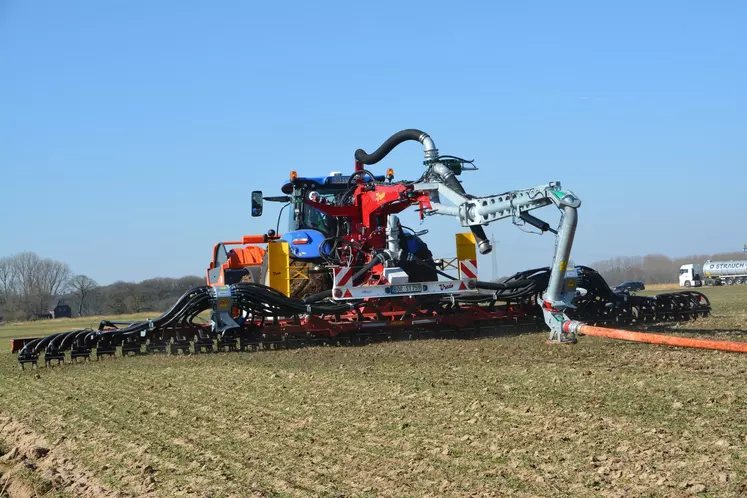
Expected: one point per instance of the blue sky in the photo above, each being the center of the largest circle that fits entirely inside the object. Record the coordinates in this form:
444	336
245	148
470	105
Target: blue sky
132	132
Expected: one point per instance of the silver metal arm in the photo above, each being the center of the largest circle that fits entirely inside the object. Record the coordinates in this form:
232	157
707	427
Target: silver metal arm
484	210
473	211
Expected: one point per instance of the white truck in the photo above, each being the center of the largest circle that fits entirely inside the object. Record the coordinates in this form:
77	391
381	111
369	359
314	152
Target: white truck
713	273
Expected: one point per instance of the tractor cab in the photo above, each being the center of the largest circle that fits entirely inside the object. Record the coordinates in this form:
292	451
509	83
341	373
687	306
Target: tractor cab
313	234
331	189
307	226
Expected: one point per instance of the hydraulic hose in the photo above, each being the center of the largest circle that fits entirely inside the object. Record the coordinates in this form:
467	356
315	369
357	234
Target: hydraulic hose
668	340
360	173
319	296
516	284
423	262
378	259
401	136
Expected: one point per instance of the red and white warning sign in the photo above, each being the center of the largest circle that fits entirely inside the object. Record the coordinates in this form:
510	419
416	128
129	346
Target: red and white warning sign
343	276
468	269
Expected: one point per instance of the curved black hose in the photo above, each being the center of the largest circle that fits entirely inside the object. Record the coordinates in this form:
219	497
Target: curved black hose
378	259
425	263
319	296
516	284
187	301
359	173
401	136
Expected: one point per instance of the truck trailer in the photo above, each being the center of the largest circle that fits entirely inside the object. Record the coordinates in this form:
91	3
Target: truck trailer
713	273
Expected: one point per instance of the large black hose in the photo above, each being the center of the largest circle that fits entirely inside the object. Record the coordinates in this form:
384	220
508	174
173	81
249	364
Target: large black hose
401	136
517	284
378	259
447	176
319	296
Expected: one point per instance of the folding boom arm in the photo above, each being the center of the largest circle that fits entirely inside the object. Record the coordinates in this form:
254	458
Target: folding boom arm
473	211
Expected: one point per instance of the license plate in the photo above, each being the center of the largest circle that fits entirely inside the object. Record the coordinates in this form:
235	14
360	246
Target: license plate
406	288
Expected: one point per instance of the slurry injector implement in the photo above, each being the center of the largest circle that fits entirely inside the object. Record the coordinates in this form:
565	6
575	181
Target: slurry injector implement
348	272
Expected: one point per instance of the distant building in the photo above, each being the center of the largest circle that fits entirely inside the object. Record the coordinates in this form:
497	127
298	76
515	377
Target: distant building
62	310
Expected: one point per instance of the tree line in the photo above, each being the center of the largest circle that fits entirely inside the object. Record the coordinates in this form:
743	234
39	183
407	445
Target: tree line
30	286
654	268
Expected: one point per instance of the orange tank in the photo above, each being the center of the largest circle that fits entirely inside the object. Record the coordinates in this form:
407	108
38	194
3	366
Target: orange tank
245	256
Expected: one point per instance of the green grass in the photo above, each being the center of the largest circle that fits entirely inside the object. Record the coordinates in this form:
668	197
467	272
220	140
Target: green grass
491	417
39	328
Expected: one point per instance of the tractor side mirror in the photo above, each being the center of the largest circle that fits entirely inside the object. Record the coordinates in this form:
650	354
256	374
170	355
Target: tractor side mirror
257	203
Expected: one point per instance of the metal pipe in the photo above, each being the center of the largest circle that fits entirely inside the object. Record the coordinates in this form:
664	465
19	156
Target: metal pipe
430	150
449	179
444	209
569	219
393	232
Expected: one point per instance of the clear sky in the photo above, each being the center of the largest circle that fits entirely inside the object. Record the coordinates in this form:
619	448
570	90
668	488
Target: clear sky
132	132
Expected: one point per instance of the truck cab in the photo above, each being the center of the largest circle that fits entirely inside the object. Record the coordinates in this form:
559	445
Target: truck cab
691	275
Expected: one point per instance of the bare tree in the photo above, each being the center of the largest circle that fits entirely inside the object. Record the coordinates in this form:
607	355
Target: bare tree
26	265
29	282
52	278
81	286
7	281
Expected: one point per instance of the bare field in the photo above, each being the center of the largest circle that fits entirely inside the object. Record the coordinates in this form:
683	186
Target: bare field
489	417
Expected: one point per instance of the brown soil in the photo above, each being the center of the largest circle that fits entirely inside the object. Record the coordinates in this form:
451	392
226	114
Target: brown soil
33	467
508	416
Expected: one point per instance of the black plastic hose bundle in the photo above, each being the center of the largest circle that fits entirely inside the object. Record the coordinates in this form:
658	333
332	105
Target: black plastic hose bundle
260	300
601	305
191	302
598	304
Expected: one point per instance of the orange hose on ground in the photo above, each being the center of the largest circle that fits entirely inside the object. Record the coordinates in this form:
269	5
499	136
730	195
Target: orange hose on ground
737	347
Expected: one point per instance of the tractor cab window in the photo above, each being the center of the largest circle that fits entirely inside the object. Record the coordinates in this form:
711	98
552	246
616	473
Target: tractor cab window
683	271
314	219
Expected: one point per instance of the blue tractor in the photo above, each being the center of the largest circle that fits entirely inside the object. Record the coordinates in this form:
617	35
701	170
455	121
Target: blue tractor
312	235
